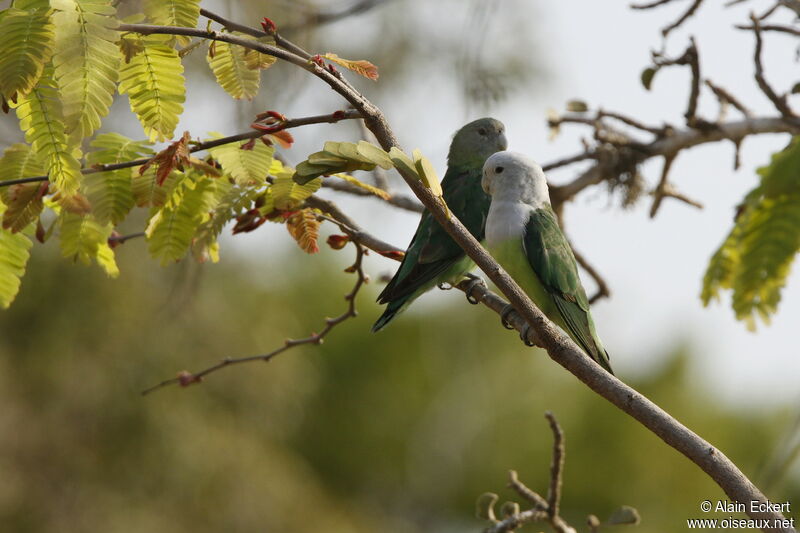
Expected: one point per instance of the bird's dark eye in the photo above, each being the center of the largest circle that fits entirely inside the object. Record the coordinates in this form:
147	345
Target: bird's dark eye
481	131
498	170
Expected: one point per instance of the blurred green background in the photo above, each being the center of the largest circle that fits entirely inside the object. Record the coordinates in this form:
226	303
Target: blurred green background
398	432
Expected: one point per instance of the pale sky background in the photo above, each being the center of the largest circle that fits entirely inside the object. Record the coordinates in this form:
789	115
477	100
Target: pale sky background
594	51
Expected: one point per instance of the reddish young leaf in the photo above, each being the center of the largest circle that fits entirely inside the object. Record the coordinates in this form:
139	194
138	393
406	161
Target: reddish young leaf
269	26
24	202
393	254
174	156
361	66
41	233
303	226
337	242
283	137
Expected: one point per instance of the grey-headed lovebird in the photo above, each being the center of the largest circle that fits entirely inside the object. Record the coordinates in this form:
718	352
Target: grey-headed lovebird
433	257
523	235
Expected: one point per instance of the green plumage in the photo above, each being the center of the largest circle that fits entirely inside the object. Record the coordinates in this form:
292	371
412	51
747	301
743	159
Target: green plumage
523	235
433	257
553	262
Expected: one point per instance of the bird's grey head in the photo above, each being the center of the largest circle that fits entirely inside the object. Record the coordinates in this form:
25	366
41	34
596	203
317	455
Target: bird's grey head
476	141
511	176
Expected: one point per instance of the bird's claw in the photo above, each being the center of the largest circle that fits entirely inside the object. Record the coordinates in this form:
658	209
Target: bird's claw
474	281
507	310
525	336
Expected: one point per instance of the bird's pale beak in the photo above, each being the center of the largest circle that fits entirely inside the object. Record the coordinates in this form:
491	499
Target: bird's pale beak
485	181
502	142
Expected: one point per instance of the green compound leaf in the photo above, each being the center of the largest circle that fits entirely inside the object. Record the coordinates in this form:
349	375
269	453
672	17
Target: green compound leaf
41	118
154	83
756	257
286	193
14	254
86	62
246	162
84	239
230	66
232	201
110	193
23	202
173	13
148	193
171	229
338	157
25	48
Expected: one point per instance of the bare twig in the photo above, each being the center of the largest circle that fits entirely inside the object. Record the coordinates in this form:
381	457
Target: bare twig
693	57
772	27
556	468
409	203
658	132
539	503
726	97
670	192
543	510
185	379
683	18
650	5
568	161
197	147
678	140
778	101
122	239
658	194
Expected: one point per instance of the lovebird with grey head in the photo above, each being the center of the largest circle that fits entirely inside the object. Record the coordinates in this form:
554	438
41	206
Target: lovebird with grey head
433	257
523	235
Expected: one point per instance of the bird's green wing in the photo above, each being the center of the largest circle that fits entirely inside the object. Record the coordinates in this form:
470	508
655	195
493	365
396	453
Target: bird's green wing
432	251
551	258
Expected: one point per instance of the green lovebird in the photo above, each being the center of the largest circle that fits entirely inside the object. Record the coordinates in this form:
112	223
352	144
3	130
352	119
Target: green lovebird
433	257
523	235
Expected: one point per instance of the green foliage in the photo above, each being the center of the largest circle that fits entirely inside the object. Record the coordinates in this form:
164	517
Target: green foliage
23	202
171	228
15	247
86	62
60	61
756	257
41	118
153	80
110	193
247	162
339	157
173	13
84	239
146	190
234	73
287	193
25	49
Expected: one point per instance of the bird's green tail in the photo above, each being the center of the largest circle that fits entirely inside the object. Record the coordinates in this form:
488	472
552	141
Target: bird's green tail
394	307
